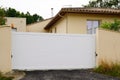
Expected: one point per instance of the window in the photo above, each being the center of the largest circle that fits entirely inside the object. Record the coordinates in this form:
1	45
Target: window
92	25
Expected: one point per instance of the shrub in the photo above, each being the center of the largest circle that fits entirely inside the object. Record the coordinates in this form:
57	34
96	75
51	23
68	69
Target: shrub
2	15
5	78
109	69
111	26
105	25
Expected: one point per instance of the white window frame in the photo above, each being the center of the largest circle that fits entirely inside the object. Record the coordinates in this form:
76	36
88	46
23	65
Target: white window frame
93	29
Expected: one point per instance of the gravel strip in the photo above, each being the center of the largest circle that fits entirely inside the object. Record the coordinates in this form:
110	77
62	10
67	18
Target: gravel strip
66	75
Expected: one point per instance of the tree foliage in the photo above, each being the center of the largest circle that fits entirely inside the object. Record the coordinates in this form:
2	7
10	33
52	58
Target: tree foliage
11	12
2	15
104	4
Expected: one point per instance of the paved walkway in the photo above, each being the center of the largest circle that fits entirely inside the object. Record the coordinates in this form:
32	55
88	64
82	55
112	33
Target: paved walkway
66	75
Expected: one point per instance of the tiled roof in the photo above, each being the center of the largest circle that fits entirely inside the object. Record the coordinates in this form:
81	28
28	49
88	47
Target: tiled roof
91	10
82	10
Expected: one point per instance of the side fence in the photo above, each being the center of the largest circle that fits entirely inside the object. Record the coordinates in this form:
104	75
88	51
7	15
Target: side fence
5	49
43	51
108	46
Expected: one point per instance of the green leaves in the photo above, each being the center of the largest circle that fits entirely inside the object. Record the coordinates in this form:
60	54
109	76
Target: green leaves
115	26
2	15
104	4
32	18
5	78
106	25
111	26
10	12
112	69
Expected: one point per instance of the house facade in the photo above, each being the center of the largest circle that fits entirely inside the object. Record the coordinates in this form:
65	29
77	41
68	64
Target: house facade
38	26
81	20
17	24
67	21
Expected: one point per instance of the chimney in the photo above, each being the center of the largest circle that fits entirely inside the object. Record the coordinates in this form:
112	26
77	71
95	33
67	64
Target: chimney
52	12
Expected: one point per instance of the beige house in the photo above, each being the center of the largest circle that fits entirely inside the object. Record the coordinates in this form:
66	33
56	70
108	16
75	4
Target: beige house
72	21
18	24
81	20
38	26
85	21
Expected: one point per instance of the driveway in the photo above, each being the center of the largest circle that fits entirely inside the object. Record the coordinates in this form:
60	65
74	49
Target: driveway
66	75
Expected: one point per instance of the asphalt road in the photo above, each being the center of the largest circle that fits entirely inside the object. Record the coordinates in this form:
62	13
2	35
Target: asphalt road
66	75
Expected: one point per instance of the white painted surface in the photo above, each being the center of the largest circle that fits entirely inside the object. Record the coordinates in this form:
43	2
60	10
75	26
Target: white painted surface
36	51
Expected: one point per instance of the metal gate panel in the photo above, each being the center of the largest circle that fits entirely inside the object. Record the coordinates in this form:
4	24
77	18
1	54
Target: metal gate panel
37	51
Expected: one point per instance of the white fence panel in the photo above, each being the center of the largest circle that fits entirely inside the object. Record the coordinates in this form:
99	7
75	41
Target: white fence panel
36	51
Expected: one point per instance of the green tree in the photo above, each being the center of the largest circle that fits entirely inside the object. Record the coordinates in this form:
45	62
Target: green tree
104	4
29	18
11	12
22	15
32	18
2	15
37	18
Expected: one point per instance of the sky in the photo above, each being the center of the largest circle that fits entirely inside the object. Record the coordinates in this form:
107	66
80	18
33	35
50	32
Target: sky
41	7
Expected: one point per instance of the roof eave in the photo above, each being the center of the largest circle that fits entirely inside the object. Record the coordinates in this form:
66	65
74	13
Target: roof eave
63	11
55	19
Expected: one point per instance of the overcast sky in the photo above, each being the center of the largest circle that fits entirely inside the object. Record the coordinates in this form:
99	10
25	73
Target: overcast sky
41	7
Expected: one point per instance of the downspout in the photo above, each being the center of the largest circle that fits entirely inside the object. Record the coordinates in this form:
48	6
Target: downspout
67	23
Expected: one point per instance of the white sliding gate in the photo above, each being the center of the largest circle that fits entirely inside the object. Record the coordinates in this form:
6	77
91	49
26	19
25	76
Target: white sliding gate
37	51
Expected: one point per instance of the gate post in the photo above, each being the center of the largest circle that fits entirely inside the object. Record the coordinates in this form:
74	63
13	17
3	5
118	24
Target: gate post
5	49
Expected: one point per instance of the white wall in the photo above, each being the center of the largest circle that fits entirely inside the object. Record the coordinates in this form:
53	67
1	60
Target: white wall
37	51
